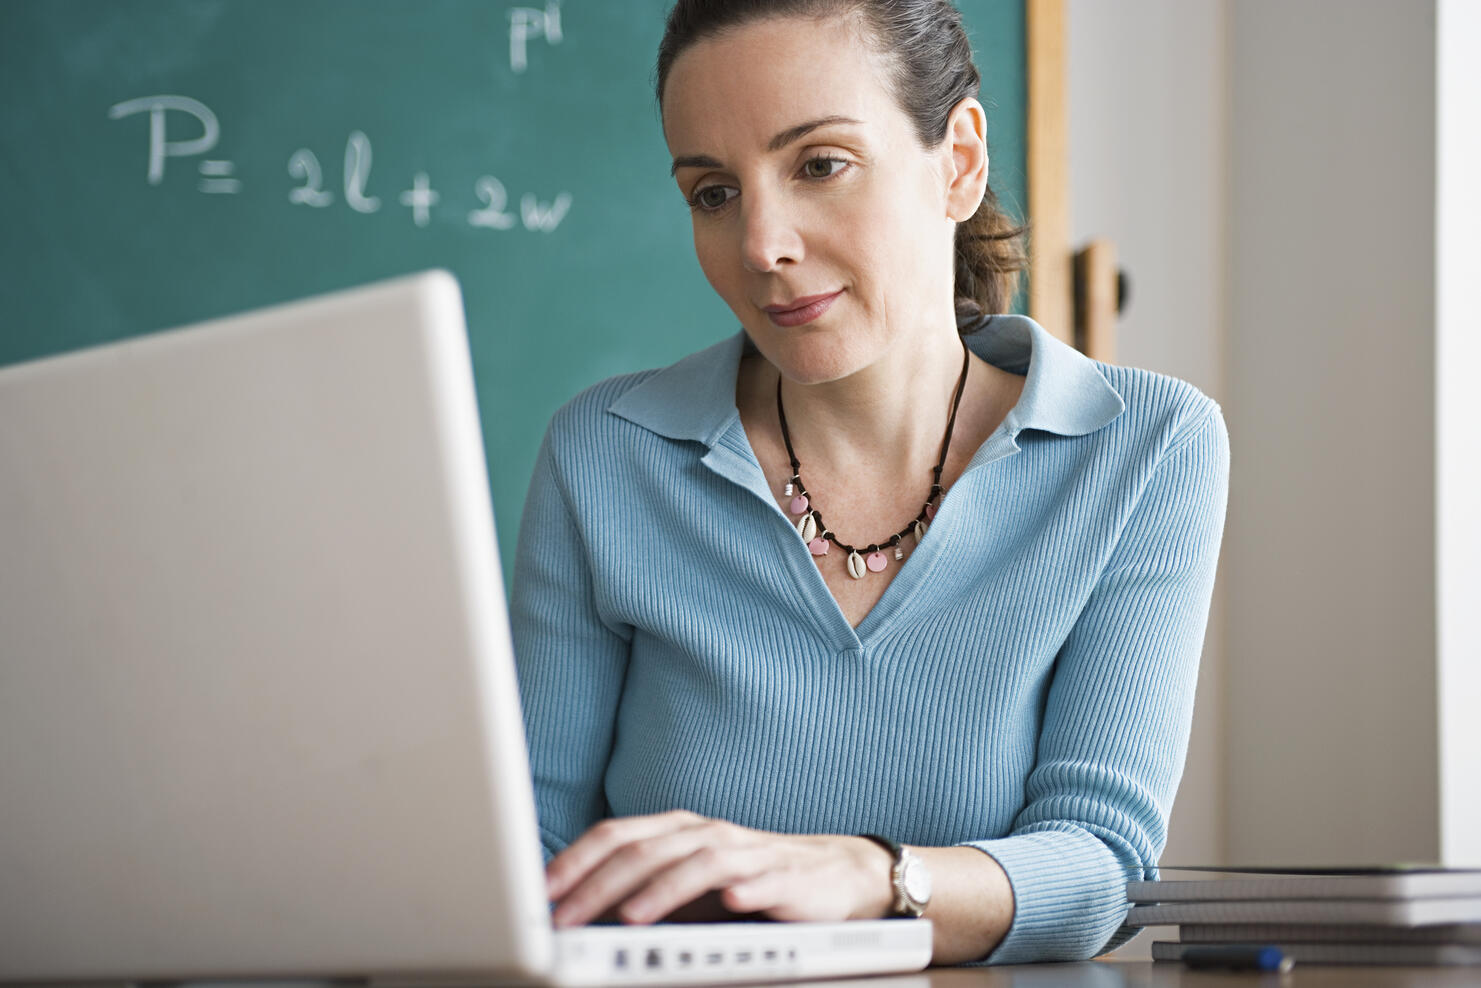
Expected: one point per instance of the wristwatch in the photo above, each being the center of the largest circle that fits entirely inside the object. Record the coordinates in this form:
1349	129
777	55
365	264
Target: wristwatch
910	877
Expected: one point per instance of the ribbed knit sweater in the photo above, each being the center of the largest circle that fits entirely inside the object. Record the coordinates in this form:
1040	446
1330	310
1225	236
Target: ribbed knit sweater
1025	684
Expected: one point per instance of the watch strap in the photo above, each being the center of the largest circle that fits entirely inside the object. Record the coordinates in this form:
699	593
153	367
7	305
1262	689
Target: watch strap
902	907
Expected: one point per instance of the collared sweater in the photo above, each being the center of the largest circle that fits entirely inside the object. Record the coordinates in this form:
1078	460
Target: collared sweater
1024	686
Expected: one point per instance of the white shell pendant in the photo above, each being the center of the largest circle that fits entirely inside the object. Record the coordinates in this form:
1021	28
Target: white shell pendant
920	531
808	527
856	566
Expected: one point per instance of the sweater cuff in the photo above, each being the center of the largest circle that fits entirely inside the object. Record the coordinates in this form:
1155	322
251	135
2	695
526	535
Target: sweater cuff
1069	895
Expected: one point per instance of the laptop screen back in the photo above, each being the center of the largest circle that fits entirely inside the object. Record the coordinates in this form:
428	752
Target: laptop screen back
257	708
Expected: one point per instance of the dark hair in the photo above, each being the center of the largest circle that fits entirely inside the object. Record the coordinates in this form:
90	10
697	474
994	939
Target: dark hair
931	72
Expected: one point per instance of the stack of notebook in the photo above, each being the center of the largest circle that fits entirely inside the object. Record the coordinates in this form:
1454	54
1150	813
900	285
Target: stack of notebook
1320	916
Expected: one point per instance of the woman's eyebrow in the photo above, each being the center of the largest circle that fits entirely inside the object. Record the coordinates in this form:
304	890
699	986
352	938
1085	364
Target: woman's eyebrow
801	130
775	144
693	161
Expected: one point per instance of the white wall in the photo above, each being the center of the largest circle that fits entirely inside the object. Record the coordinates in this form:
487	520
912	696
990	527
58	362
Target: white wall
1292	187
1330	543
1147	170
1458	440
1148	152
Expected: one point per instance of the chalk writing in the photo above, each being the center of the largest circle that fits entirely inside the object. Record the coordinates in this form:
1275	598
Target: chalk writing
217	180
218	176
526	23
160	147
357	173
305	165
421	198
492	192
538	216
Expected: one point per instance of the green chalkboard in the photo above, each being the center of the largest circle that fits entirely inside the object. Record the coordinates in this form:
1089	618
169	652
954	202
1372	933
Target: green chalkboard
168	161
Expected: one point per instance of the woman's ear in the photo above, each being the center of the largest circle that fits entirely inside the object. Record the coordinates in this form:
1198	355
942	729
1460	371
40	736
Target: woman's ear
966	136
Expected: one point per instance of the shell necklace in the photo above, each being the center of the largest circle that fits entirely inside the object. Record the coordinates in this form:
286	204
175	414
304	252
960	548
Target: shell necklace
814	531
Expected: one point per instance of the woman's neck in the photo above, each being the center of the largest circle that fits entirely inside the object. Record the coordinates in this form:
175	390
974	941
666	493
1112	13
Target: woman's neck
890	415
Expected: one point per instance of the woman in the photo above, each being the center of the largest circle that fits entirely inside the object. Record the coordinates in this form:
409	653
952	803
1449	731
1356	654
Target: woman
859	570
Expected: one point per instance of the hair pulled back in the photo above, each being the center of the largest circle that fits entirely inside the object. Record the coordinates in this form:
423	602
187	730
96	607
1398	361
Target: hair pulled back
931	72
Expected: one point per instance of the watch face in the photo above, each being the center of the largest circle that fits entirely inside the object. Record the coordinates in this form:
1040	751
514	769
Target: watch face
917	880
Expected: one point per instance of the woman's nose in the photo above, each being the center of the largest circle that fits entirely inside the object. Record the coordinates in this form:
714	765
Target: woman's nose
770	236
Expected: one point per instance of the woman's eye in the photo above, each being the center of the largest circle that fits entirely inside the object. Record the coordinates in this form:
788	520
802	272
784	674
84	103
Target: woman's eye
713	196
823	167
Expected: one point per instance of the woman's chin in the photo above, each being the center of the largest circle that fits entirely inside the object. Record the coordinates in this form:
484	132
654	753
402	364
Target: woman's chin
809	357
808	369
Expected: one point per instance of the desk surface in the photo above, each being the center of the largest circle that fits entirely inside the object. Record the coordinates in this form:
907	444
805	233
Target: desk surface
1146	974
1090	974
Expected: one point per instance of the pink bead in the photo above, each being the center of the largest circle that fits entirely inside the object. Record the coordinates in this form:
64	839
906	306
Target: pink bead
875	561
818	547
799	504
930	512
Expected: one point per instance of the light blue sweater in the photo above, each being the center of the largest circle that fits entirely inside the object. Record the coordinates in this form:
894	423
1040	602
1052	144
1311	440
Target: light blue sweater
1025	685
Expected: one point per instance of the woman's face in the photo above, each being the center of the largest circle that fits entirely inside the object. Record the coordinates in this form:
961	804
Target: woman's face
818	217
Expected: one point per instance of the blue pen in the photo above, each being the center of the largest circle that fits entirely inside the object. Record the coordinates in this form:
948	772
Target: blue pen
1239	957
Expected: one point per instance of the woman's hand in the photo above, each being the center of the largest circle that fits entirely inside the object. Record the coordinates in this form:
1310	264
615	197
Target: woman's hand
645	868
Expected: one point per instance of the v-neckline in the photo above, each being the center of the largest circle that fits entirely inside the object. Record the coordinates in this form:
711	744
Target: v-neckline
733	458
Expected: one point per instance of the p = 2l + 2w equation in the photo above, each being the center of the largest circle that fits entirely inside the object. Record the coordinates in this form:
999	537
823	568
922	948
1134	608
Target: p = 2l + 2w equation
218	176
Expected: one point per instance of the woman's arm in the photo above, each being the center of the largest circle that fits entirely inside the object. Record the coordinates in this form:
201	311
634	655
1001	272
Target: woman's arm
1118	713
571	663
972	903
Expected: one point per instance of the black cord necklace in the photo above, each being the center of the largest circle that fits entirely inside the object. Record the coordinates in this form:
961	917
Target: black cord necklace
870	558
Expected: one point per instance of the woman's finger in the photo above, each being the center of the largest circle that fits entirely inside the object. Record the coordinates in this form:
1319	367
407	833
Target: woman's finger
624	871
711	866
825	879
768	891
571	866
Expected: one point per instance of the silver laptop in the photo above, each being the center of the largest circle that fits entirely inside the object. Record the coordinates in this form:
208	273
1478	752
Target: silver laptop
258	714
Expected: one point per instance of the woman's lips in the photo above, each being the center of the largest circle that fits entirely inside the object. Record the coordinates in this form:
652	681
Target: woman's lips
802	310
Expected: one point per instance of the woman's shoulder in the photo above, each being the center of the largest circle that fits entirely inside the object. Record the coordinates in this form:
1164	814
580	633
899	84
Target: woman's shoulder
1160	405
690	399
589	410
1070	394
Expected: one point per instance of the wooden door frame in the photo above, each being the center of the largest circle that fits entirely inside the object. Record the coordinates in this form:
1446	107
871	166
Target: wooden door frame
1074	295
1046	146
